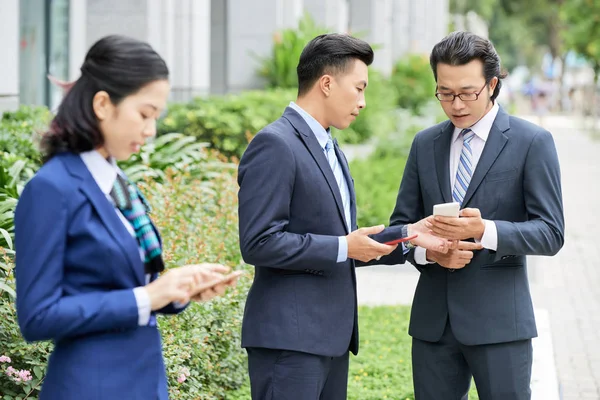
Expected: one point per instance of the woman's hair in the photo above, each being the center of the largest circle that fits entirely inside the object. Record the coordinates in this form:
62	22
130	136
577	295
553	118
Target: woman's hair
116	64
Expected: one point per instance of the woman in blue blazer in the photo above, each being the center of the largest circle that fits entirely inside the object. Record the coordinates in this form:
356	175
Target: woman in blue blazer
88	254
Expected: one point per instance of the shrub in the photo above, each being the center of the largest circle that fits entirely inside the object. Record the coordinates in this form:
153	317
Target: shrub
377	117
414	81
227	122
377	178
19	134
199	223
376	185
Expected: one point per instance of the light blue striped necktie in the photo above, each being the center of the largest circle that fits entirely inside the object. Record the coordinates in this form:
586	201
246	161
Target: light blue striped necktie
339	177
465	167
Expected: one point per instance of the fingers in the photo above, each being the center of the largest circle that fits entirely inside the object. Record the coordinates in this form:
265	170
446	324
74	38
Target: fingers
223	269
446	222
371	230
470	212
462	245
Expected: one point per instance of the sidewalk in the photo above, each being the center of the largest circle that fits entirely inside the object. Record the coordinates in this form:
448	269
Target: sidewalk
565	288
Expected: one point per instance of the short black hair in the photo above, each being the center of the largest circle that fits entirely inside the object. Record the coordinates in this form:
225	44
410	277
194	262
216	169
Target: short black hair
331	53
117	64
460	48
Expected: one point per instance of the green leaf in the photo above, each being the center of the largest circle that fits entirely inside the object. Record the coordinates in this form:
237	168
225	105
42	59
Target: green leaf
4	287
7	238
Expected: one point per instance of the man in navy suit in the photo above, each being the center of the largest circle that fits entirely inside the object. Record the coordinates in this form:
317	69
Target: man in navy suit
472	314
298	227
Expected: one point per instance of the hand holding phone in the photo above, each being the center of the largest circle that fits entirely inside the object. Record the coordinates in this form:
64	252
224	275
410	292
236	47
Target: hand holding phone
226	280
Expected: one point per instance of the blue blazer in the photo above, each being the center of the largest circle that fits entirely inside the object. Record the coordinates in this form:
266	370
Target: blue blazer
76	267
290	217
517	185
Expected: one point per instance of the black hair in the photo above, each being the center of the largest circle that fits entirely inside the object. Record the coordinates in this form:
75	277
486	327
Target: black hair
330	53
460	48
116	64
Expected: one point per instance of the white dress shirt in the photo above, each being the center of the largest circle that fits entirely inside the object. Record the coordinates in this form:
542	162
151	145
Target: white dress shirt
482	129
105	174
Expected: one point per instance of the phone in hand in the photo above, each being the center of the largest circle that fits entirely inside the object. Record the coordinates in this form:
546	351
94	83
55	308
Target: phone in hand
401	240
447	209
224	280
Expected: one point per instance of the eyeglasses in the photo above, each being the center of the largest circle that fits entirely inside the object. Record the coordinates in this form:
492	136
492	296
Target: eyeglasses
463	96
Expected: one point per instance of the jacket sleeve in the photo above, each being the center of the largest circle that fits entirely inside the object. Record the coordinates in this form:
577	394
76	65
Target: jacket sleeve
543	232
44	310
266	179
409	203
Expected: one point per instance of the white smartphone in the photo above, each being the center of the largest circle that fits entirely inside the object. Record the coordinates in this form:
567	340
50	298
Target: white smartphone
447	209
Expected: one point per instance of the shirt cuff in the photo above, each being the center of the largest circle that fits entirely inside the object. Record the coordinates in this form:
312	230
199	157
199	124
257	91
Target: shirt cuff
421	256
177	304
404	249
143	305
342	249
489	240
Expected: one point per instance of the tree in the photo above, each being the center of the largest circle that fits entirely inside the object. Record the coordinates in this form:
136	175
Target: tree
582	18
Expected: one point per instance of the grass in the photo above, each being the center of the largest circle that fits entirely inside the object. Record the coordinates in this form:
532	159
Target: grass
382	369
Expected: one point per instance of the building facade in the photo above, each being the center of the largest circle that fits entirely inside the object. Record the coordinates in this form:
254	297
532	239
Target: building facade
211	46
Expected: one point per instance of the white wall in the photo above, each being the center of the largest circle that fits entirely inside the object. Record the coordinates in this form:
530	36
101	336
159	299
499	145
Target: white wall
251	27
9	43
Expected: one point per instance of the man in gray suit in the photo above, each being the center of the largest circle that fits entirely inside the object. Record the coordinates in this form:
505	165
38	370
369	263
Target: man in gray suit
472	314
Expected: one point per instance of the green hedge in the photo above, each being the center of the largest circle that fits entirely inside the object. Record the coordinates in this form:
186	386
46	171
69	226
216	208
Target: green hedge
413	79
229	122
377	178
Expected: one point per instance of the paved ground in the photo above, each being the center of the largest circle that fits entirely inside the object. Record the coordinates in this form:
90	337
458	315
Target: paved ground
566	288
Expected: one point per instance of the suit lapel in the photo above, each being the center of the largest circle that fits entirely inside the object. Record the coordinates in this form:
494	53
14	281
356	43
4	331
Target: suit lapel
346	169
492	149
441	148
313	146
107	215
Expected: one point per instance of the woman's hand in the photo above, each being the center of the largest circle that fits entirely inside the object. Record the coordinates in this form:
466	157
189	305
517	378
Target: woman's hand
180	284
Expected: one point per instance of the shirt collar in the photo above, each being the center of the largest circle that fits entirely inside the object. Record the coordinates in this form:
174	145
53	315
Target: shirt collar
321	134
103	171
483	127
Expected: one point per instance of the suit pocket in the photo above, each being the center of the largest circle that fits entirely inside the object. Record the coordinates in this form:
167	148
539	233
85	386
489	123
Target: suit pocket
500	176
502	265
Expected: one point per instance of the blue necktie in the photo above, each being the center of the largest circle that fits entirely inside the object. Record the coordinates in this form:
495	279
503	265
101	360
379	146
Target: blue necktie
465	167
339	177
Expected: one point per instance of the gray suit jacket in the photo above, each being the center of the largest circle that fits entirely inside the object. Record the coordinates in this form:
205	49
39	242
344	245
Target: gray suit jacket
291	215
517	185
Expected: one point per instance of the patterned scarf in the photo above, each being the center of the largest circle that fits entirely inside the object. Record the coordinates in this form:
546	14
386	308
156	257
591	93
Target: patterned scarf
130	201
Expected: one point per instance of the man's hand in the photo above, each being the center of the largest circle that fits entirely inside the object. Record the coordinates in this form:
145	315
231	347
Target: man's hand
468	226
455	258
426	239
361	247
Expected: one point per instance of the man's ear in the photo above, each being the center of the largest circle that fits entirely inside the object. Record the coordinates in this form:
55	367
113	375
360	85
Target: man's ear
325	83
493	83
101	104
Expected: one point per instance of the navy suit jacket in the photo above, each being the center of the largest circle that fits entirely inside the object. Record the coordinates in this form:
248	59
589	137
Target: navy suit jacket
516	184
290	218
76	267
